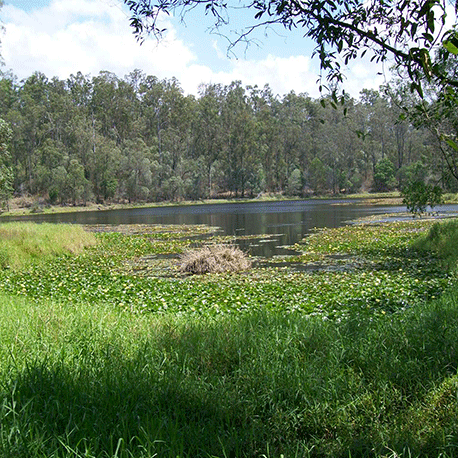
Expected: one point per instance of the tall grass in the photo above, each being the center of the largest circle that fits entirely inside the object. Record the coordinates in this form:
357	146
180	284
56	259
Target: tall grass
22	243
87	381
442	238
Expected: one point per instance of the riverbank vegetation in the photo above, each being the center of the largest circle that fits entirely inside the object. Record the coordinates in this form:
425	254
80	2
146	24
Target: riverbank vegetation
23	243
137	139
111	352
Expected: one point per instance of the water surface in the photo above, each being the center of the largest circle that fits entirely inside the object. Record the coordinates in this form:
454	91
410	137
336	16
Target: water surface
277	224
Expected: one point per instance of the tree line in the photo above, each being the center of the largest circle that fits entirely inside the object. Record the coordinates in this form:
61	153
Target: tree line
141	139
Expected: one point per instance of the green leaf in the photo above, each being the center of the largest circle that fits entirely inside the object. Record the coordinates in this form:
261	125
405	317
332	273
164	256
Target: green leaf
451	47
451	143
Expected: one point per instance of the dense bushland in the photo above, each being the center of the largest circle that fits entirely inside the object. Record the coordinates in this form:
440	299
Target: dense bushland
138	138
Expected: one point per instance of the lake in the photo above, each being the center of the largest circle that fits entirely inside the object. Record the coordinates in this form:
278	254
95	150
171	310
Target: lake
278	223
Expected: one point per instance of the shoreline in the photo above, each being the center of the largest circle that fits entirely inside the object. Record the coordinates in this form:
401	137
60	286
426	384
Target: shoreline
23	207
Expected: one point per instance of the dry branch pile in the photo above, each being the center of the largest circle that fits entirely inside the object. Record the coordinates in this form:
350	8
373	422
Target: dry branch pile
214	259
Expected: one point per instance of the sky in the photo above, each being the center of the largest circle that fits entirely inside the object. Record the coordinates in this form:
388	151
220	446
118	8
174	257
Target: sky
63	37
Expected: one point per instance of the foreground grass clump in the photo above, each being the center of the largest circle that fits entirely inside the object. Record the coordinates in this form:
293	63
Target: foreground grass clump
441	239
87	381
214	259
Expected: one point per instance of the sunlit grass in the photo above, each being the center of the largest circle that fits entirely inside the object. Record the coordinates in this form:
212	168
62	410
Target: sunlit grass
22	243
441	239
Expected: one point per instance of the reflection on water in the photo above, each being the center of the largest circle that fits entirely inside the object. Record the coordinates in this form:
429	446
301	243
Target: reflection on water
284	222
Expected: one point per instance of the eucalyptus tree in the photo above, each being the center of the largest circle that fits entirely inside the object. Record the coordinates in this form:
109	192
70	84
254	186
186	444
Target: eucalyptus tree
136	170
167	120
8	92
115	105
269	131
103	104
32	126
6	171
103	167
335	144
373	125
298	118
208	132
240	139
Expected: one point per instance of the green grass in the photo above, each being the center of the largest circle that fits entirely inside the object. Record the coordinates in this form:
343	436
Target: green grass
268	373
92	382
441	239
24	243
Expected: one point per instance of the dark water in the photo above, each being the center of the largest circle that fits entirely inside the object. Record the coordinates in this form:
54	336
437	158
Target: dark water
277	223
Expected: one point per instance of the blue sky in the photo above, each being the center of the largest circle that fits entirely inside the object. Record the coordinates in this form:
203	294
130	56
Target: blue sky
61	37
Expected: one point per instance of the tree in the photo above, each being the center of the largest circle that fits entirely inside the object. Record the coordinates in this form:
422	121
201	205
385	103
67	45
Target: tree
208	136
6	172
384	179
418	195
406	31
2	28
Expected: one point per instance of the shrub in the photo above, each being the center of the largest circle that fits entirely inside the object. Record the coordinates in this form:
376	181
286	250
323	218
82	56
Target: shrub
417	196
384	176
442	239
214	259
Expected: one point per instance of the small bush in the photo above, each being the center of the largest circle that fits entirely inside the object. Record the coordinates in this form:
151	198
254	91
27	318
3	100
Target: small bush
417	196
442	239
214	259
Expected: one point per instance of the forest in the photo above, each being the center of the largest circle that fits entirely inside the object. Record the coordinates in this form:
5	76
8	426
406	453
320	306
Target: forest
141	139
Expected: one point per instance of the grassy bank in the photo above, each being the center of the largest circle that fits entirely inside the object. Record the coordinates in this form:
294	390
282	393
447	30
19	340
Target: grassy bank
24	243
368	368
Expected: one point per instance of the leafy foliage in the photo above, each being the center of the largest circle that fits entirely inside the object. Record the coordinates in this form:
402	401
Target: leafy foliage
6	171
405	31
418	196
384	175
70	146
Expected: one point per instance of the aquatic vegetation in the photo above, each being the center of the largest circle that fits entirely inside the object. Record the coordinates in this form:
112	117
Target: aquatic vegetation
140	272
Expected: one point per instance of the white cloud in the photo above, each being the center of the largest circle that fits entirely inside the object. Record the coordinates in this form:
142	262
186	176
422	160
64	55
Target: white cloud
88	36
68	36
364	74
